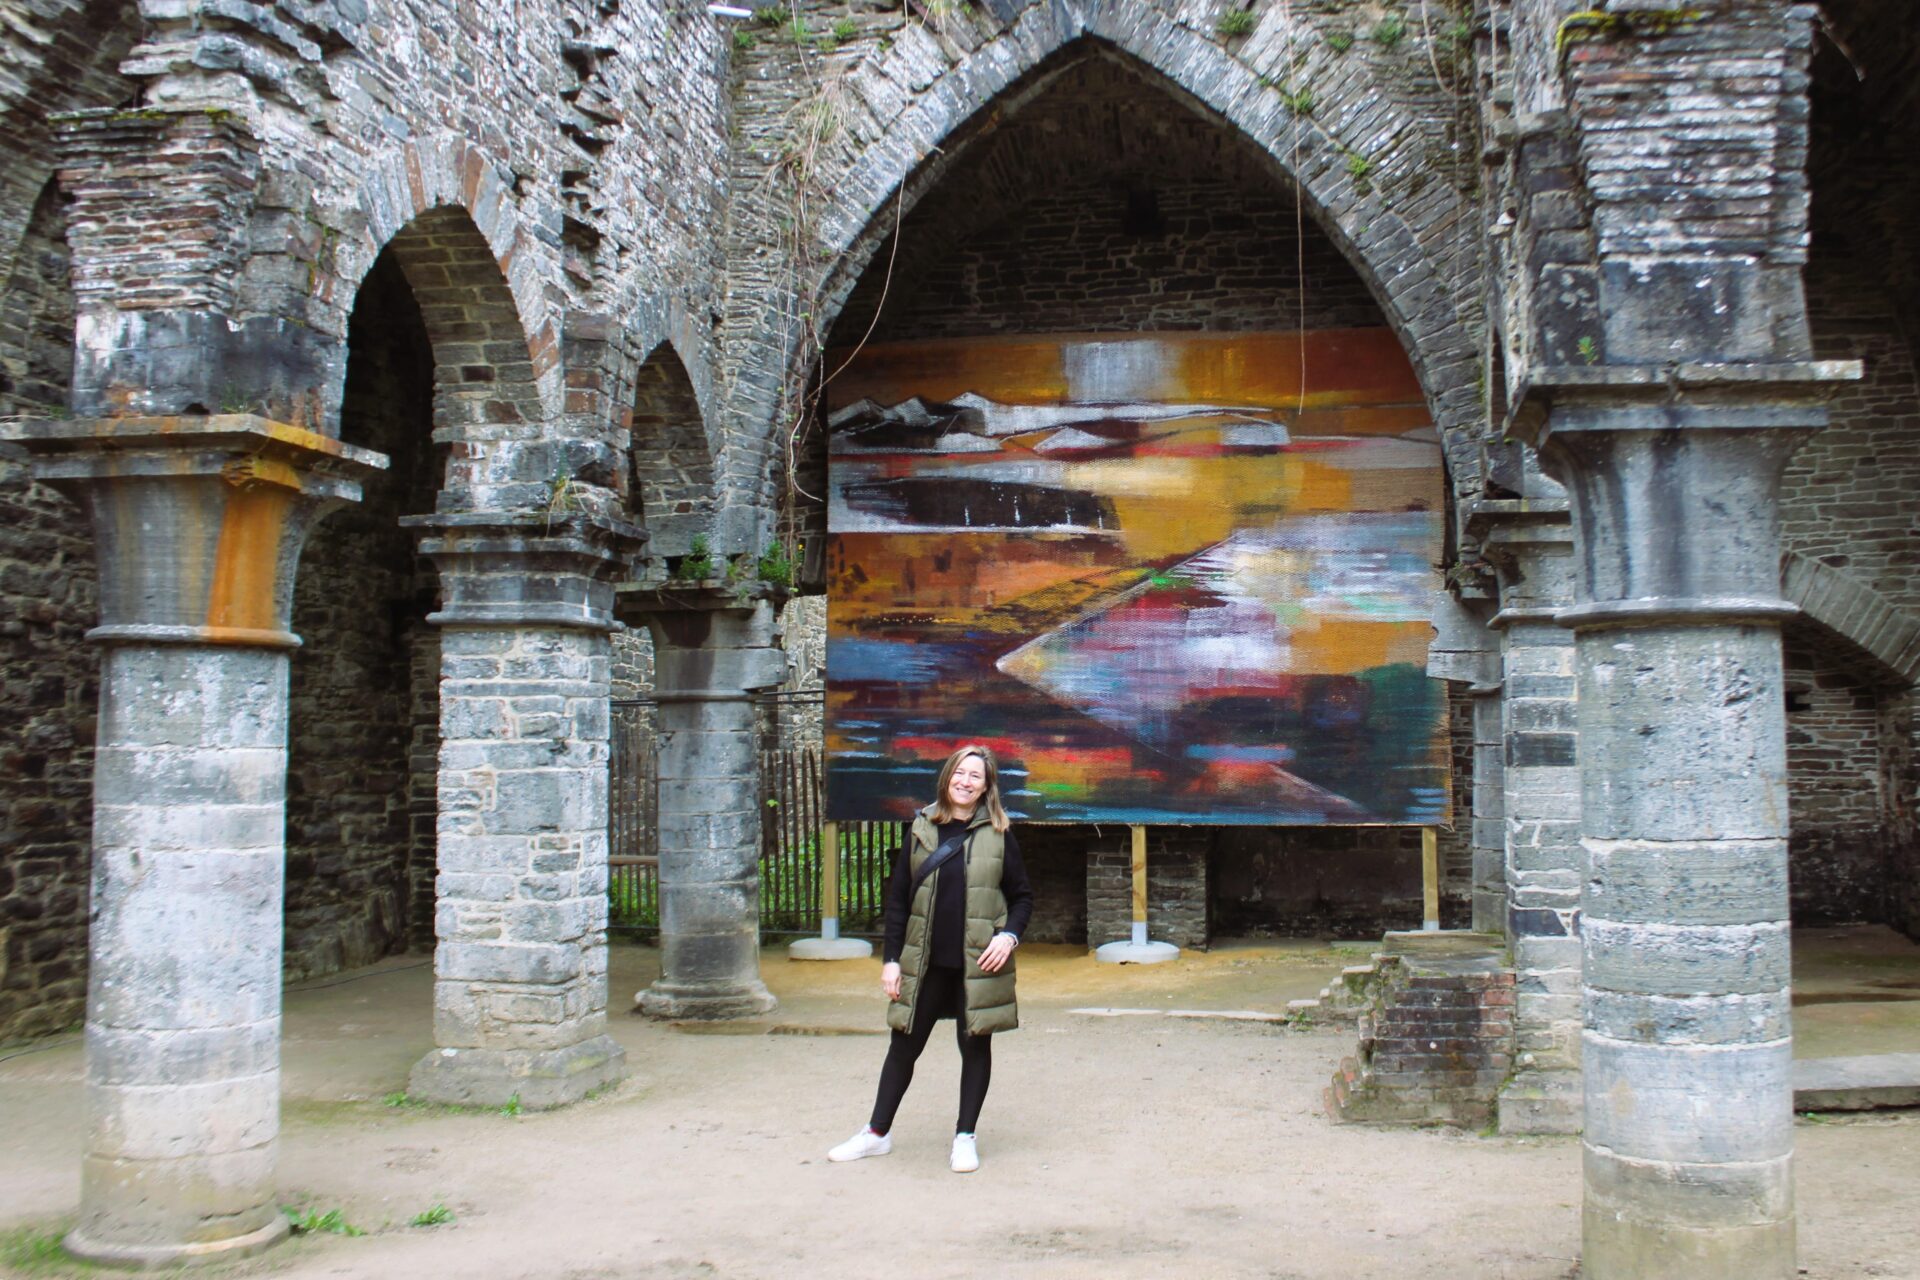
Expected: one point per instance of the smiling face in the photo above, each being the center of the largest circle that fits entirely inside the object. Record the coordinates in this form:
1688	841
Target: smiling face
967	785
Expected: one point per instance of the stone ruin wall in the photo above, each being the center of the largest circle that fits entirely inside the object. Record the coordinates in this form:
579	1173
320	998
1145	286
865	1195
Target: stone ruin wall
627	220
616	164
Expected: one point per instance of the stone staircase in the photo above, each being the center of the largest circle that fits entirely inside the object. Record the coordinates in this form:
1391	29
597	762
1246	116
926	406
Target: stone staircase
1435	1018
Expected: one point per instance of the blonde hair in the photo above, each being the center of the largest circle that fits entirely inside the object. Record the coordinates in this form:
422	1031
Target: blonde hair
943	809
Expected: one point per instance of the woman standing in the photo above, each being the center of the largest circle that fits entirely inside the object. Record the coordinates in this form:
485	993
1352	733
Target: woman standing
956	906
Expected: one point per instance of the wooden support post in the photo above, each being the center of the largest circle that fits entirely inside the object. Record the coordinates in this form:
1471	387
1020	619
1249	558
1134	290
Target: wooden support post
830	880
1137	949
829	945
1430	878
1139	884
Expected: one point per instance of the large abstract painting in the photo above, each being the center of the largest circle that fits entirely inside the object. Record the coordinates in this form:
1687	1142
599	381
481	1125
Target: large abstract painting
1168	578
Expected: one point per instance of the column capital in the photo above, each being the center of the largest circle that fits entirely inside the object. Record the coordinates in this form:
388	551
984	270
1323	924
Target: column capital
198	520
1529	542
1673	473
712	642
1561	400
527	568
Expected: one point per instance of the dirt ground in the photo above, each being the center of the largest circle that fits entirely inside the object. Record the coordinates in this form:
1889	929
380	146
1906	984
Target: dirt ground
1130	1145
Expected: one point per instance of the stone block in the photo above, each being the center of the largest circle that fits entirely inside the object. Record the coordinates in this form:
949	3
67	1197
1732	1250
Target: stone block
1689	1104
536	1079
1685	960
504	962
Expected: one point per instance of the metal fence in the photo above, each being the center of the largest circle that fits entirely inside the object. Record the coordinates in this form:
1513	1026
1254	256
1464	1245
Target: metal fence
633	832
793	808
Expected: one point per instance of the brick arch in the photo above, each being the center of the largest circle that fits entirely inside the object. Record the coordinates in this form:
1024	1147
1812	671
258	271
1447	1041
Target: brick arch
672	487
423	186
483	370
37	314
1399	243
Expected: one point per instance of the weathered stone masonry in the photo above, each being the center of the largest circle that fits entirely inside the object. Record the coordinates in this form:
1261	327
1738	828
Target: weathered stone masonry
624	272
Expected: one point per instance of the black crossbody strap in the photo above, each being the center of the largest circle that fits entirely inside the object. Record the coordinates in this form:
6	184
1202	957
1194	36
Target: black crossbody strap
947	849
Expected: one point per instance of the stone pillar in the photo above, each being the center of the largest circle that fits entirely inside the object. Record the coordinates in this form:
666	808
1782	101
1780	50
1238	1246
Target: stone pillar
1687	1056
1464	650
713	648
1489	831
198	523
1530	543
520	915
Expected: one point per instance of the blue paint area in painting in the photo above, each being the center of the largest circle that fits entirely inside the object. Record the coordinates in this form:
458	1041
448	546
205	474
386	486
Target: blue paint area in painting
895	661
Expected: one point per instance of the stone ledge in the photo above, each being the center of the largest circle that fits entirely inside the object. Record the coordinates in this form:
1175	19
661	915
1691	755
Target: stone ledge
1861	1083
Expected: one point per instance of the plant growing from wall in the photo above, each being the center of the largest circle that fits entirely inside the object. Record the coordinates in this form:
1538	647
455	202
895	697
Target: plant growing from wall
1602	24
776	565
1390	31
697	564
1339	40
1235	23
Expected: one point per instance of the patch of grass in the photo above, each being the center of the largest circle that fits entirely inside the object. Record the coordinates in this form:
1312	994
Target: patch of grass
420	1106
434	1215
311	1221
1390	31
1234	23
770	15
1358	166
36	1251
845	30
744	40
1588	351
1339	41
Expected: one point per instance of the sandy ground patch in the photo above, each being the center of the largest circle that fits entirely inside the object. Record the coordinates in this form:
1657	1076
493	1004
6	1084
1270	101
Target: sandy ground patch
1112	1147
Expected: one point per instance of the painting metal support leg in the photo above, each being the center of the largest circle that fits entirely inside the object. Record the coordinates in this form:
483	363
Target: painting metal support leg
1137	950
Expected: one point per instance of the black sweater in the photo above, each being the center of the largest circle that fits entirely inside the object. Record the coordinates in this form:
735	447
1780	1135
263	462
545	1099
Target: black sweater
946	946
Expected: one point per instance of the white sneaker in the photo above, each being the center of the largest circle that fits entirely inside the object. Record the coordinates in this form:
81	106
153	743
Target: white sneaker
861	1145
966	1155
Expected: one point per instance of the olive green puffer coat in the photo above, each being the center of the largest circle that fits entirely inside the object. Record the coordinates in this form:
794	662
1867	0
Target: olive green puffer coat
990	1003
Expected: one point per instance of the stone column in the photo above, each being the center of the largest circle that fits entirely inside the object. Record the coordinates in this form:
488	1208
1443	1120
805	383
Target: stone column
520	991
1687	1056
713	648
198	523
1464	650
1489	831
1530	543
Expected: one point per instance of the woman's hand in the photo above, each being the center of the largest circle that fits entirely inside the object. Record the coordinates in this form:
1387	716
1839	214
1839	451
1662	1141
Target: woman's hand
994	958
890	979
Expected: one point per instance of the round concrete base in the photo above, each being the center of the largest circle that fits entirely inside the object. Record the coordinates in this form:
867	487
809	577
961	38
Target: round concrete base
829	949
1135	952
148	1257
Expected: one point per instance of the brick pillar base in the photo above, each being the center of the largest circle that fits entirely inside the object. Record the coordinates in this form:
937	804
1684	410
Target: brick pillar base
1176	890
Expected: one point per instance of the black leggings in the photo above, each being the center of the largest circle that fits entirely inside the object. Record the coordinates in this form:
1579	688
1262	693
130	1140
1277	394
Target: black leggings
942	995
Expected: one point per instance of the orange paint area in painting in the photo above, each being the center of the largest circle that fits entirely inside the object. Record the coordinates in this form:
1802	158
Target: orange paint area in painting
246	567
1302	376
1013	370
1334	646
956	577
